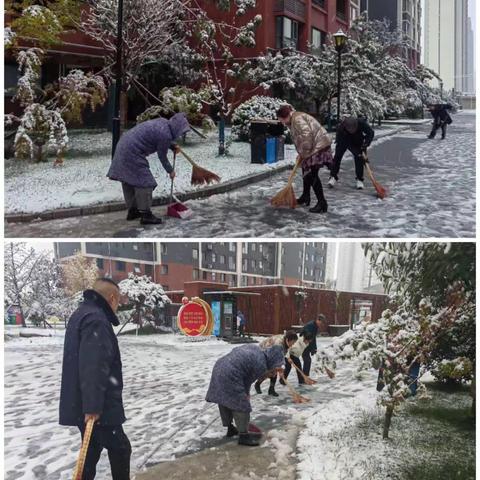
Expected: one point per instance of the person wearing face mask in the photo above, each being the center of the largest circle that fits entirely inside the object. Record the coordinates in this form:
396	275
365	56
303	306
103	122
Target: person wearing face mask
92	381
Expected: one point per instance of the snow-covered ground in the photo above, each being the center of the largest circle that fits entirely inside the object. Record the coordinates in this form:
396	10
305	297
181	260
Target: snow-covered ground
82	181
166	378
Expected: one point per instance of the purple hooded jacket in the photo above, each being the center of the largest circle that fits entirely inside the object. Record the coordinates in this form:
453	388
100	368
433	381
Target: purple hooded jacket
130	164
234	373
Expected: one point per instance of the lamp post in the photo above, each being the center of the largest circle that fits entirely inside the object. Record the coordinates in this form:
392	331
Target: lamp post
340	41
118	80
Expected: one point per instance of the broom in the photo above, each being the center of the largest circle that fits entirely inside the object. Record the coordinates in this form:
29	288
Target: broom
308	380
78	472
297	398
381	191
176	209
286	196
200	175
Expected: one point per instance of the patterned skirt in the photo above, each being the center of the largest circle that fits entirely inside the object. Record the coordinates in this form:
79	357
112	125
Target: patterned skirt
318	160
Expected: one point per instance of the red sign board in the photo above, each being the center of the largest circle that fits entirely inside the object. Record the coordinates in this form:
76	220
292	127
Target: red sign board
192	319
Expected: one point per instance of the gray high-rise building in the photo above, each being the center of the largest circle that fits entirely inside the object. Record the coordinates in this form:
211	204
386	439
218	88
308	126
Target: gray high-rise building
235	263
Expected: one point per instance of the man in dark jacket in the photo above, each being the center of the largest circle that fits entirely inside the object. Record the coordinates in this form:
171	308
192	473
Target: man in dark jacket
92	380
441	119
311	328
130	165
354	135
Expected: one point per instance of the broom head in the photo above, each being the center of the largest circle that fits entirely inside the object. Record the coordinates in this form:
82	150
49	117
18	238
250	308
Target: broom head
329	372
381	191
201	176
285	198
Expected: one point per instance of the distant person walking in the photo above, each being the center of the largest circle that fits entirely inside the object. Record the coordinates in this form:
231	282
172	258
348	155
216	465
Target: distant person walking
354	135
314	149
441	118
130	165
241	323
232	378
92	381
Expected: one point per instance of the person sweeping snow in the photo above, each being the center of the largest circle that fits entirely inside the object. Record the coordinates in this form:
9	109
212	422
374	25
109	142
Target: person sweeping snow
355	135
314	149
130	165
232	378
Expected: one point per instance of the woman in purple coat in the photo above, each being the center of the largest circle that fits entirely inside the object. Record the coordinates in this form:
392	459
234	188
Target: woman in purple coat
232	377
130	165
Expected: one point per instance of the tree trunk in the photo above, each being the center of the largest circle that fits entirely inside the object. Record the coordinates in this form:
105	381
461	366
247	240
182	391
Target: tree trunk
473	393
221	135
387	421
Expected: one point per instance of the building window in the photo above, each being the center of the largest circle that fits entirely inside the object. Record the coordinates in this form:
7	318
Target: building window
136	268
254	247
121	267
214	257
306	257
260	264
244	281
319	38
319	3
253	263
195	274
205	275
260	248
135	247
195	254
222	259
148	270
245	248
245	265
222	277
231	247
286	33
299	270
300	254
342	9
163	269
100	263
231	263
163	248
214	276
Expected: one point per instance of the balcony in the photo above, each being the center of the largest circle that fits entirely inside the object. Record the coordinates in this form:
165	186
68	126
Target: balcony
292	7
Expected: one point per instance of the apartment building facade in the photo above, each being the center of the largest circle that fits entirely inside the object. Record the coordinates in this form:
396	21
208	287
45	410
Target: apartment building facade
237	264
406	15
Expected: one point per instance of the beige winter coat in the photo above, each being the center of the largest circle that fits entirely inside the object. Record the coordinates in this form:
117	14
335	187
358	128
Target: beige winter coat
297	348
308	135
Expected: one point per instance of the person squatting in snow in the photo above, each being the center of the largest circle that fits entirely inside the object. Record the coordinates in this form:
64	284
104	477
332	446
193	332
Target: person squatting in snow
92	381
314	149
230	383
441	118
130	165
286	342
355	135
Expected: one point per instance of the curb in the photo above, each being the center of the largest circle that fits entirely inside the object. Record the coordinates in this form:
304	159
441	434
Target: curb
161	201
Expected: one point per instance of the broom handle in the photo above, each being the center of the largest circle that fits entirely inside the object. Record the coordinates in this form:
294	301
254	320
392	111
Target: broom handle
171	186
303	374
292	390
188	158
294	171
78	472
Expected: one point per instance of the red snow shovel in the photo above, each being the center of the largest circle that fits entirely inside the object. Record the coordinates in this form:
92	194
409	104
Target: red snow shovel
177	209
78	472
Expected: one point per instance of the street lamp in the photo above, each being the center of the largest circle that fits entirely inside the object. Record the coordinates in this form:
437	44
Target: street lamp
118	80
340	41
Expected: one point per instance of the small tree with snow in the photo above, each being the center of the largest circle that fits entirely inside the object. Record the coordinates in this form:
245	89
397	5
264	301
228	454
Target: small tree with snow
432	289
142	297
79	274
45	112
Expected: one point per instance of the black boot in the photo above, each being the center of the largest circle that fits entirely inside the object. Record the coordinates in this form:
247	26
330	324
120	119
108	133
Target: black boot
305	197
232	431
271	391
282	381
248	439
257	387
148	218
320	207
133	214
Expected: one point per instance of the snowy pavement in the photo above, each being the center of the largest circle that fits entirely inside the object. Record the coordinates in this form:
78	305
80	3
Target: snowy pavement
431	186
165	378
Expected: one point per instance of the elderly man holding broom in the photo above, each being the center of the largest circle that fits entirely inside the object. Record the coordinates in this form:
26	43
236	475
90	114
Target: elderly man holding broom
130	165
92	381
314	151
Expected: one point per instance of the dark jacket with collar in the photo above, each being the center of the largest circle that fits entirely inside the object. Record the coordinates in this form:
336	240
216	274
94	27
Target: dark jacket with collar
92	369
363	137
311	327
